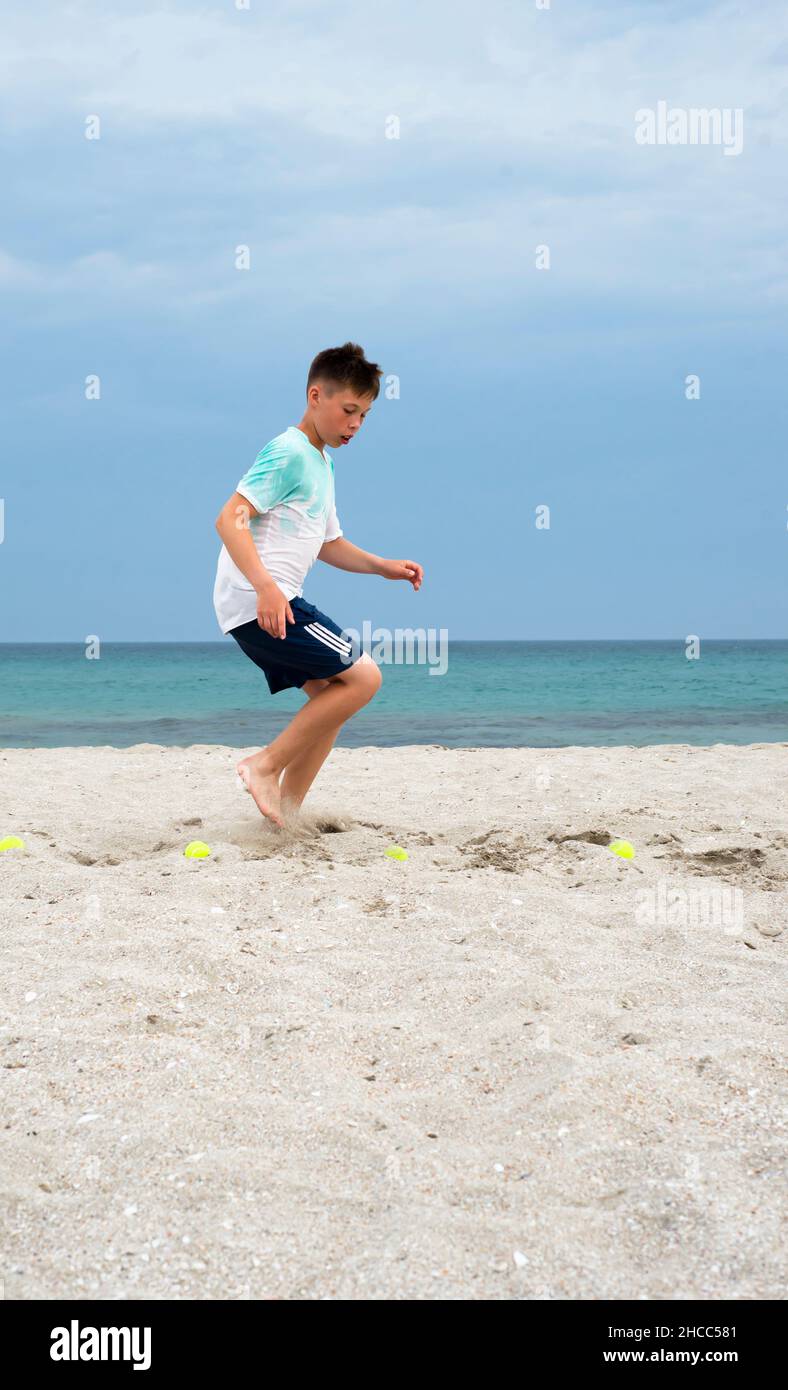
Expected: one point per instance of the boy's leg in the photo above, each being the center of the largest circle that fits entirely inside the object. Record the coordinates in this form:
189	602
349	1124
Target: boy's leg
342	697
301	772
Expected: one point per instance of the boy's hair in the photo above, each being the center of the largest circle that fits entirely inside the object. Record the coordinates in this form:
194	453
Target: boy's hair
346	366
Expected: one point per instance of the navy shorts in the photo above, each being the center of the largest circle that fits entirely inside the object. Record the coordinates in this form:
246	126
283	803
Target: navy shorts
313	648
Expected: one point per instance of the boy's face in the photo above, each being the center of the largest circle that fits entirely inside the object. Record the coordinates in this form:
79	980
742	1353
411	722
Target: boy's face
338	418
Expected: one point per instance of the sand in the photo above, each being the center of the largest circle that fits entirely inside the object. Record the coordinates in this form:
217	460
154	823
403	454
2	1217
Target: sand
513	1067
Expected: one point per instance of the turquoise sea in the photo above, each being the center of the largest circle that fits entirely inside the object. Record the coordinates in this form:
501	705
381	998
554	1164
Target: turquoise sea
539	694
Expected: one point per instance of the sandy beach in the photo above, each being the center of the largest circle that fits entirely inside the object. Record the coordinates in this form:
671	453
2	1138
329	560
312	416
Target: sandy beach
513	1066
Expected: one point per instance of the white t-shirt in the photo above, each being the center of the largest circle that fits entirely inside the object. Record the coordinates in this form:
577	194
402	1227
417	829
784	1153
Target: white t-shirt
291	483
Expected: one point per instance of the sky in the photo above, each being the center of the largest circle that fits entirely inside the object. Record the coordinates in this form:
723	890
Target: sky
392	171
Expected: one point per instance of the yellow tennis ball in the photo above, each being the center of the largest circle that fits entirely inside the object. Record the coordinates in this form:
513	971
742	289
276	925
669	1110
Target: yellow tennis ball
622	848
197	849
396	852
12	842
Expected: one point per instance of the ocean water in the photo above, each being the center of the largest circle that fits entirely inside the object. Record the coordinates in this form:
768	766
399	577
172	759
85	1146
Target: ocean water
537	694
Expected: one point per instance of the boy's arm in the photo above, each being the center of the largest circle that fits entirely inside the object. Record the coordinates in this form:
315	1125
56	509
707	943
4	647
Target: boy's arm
344	555
232	523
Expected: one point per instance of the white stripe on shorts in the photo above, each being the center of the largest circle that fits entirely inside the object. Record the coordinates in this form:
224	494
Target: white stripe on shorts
321	627
329	640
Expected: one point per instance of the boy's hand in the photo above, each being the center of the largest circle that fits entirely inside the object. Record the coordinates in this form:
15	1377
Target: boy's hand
402	569
273	610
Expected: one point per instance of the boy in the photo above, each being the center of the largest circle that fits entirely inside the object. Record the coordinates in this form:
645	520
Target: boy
280	519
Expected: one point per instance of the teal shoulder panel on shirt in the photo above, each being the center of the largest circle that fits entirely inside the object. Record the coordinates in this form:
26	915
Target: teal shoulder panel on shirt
276	474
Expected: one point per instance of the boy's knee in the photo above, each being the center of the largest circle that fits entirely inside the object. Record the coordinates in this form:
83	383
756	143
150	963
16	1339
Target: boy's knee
370	676
364	677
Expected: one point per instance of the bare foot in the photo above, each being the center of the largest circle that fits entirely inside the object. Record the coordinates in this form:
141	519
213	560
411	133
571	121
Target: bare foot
262	783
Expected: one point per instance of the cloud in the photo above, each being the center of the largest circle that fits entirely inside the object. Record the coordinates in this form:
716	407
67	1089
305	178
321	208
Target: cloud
337	72
17	274
266	127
